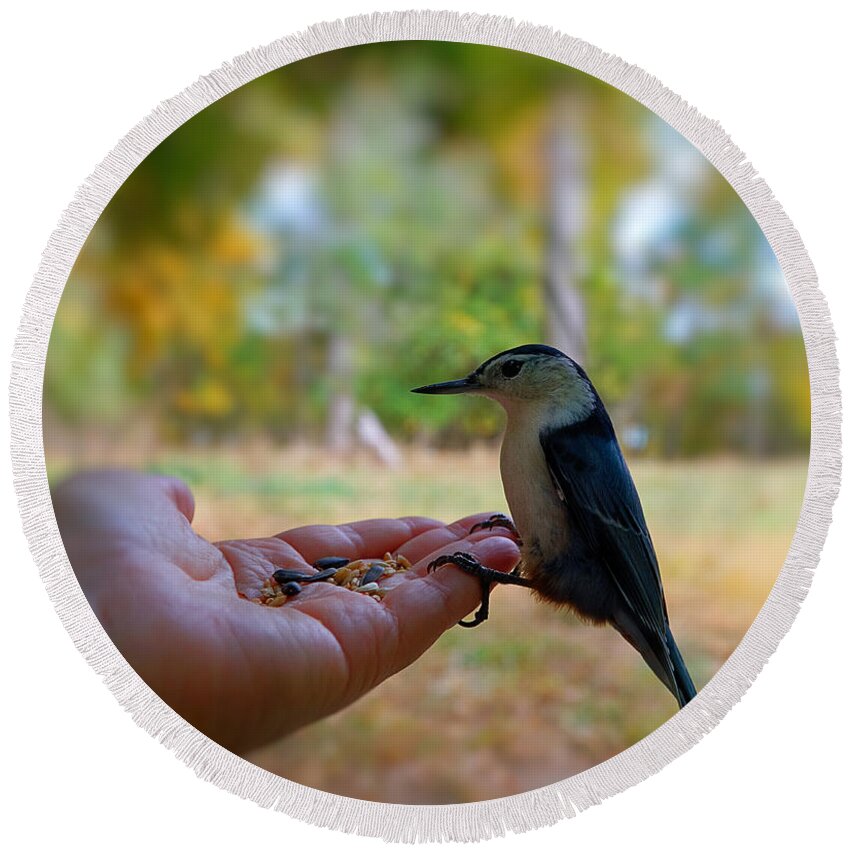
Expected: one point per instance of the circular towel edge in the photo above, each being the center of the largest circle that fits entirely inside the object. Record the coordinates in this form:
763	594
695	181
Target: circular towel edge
412	823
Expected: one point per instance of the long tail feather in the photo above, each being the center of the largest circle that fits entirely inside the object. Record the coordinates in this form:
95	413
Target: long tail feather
684	683
661	654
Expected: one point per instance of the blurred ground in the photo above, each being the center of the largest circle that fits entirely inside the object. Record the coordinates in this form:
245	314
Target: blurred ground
533	696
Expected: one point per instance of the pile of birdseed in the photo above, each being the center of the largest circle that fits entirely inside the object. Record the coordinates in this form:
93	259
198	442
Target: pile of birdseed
360	576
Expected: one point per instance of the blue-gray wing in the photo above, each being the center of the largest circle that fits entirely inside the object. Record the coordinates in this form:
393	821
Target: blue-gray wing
603	506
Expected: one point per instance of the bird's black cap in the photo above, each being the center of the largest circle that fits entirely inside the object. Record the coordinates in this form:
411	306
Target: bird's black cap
531	348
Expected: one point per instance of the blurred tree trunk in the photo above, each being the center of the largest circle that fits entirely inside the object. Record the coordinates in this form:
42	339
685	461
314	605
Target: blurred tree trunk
565	154
339	431
373	435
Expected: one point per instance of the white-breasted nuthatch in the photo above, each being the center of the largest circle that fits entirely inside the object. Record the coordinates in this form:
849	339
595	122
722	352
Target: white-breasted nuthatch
584	538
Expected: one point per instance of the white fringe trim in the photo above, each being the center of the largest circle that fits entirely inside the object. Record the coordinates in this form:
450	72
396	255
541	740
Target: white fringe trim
471	821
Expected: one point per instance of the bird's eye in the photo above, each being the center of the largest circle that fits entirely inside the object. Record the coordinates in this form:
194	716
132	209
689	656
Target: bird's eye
510	368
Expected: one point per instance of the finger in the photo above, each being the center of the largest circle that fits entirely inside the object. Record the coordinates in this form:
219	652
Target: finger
369	538
425	606
425	545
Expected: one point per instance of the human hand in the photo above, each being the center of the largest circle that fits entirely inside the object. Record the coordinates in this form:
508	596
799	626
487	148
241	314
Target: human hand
175	604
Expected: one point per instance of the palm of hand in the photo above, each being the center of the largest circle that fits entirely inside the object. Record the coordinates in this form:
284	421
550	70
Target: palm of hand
179	609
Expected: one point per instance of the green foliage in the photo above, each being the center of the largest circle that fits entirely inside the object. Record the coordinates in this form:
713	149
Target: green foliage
413	230
85	379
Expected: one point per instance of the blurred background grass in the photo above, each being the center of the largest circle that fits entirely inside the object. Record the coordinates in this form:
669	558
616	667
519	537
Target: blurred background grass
533	696
257	299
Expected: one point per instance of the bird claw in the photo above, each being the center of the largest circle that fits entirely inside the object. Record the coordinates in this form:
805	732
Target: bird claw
464	560
487	576
470	565
496	521
482	613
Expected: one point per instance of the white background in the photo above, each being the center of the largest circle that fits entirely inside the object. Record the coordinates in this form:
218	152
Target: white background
77	77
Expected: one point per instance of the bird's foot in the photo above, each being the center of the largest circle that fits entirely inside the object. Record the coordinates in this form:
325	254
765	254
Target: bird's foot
483	611
497	521
487	576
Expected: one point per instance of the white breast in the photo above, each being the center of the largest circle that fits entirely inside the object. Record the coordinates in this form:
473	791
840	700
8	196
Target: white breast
535	506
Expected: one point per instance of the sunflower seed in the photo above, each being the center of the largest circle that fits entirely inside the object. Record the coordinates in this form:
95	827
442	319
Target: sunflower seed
373	574
324	563
283	576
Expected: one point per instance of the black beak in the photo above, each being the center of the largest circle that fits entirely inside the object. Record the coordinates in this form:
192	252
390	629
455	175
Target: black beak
463	385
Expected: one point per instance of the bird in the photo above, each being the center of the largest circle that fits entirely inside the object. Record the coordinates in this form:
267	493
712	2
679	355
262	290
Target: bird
584	540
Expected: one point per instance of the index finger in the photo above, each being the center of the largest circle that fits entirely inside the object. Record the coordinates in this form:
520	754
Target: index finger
429	541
